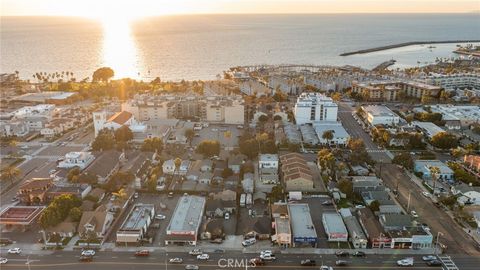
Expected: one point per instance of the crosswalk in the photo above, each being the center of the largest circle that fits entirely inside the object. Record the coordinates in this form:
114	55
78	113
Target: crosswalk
376	151
448	263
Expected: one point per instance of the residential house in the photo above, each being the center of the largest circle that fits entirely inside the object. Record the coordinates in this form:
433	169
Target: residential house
184	167
205	177
76	159
367	183
225	195
395	221
235	162
248	183
296	175
218	208
424	167
206	165
467	194
258	227
95	224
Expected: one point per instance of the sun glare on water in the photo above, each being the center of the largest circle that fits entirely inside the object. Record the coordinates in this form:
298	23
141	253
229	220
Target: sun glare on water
119	48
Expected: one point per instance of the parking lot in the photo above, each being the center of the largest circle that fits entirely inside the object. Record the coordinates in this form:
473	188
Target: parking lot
227	135
316	211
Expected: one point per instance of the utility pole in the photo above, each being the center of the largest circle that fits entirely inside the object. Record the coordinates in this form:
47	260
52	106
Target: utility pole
436	244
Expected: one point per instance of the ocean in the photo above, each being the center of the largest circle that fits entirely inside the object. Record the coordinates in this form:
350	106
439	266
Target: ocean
194	47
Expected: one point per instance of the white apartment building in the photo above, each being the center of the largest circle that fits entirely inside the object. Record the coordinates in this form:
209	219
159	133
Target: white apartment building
254	87
458	81
76	159
466	114
269	161
289	86
380	115
314	107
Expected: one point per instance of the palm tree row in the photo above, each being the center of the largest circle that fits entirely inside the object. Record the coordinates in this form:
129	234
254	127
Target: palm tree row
46	77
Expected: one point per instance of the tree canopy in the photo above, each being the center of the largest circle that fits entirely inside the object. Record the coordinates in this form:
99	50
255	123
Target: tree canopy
103	74
152	145
404	159
209	148
444	140
104	141
123	134
58	210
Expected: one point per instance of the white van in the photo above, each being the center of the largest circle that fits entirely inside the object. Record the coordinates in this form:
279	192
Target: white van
249	242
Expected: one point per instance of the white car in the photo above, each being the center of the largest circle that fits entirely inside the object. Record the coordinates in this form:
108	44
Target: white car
266	252
414	214
175	260
429	258
426	194
14	251
88	252
191	267
161	217
268	257
3	260
195	252
405	262
203	256
249	242
324	267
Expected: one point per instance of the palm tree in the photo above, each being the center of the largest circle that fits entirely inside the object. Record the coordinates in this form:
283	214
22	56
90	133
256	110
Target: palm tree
328	136
434	172
120	194
11	173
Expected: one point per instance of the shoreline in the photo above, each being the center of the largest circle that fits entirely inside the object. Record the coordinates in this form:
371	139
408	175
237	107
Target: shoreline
405	44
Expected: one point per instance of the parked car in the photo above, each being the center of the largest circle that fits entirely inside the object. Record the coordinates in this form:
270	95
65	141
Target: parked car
434	263
14	251
429	258
219	251
142	253
426	194
249	242
358	254
170	195
341	262
266	252
175	260
3	260
191	267
405	262
195	252
227	216
135	195
85	258
160	217
88	252
342	253
329	202
414	214
308	263
203	256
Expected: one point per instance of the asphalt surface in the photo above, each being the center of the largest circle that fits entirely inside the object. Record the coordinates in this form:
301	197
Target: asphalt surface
456	240
157	260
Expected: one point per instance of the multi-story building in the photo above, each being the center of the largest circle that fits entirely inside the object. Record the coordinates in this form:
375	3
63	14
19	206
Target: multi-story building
254	87
457	81
390	90
222	109
290	85
314	107
380	115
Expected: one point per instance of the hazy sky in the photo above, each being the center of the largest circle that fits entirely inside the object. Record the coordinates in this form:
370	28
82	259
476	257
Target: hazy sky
139	8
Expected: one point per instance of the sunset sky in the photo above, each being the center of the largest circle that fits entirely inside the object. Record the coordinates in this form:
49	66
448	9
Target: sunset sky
141	8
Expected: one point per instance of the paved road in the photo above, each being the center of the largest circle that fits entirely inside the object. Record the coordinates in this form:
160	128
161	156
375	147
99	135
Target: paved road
126	260
356	131
455	239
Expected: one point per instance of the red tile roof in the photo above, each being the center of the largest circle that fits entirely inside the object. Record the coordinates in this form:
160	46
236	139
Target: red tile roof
120	118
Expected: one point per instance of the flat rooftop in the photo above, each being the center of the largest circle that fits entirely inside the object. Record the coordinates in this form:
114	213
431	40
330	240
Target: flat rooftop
20	215
334	223
138	217
282	225
301	220
379	110
188	214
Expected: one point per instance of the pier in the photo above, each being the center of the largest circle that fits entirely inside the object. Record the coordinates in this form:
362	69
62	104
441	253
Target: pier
399	45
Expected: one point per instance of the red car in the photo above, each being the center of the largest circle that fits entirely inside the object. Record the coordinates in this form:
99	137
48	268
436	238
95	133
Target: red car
142	253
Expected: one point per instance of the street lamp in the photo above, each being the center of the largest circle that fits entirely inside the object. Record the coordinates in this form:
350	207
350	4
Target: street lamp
436	244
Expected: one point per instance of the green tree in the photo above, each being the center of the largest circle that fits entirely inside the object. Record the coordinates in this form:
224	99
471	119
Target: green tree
279	96
178	162
75	214
103	74
10	173
328	135
404	159
444	140
374	206
87	178
346	187
152	145
55	238
263	118
227	172
326	160
249	147
268	147
73	174
104	141
123	134
209	148
277	194
189	134
434	172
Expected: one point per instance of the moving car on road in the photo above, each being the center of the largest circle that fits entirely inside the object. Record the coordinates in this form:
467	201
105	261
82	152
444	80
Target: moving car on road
426	194
196	252
341	262
142	253
14	251
405	262
88	252
3	260
203	256
434	263
191	267
429	258
266	252
175	260
342	253
308	263
160	217
268	257
358	254
414	214
324	267
249	242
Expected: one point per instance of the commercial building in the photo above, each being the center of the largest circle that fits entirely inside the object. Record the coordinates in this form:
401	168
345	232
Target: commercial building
466	114
334	227
185	222
313	107
340	135
411	237
429	129
304	233
374	231
23	216
135	226
380	115
76	159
